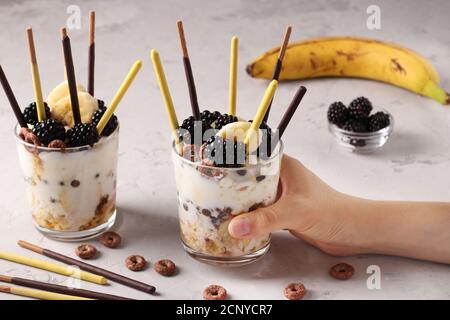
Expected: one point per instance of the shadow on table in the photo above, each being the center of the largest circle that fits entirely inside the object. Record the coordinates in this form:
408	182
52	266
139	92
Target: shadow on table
145	227
403	143
288	257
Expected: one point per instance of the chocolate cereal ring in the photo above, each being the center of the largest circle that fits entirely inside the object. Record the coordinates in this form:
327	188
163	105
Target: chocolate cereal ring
86	251
165	267
111	239
342	271
295	291
215	292
136	263
58	144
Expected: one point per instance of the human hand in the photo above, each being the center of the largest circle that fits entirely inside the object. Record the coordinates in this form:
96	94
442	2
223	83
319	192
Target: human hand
307	207
344	225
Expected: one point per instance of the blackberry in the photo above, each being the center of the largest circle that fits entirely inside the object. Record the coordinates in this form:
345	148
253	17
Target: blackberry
355	125
48	130
110	126
192	128
209	117
100	103
30	113
187	122
225	153
82	134
360	108
378	121
337	113
225	119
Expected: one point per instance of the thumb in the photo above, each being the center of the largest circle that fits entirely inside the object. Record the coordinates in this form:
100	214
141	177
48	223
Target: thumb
259	222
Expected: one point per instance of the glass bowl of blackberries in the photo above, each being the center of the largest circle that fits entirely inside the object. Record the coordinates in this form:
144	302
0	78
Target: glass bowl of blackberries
359	127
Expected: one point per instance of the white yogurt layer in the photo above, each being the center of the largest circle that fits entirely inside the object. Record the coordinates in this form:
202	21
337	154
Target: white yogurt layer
207	204
71	190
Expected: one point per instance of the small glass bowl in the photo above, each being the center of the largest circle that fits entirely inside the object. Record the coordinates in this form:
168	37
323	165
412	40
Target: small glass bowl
362	142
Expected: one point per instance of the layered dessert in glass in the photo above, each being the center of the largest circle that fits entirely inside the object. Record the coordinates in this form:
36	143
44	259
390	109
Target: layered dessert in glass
71	185
224	165
210	195
68	150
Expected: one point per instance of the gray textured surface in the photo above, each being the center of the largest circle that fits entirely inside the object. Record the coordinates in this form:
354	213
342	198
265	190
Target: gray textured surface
413	166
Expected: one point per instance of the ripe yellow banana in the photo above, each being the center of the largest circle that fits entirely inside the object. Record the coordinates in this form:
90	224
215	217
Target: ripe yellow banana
354	57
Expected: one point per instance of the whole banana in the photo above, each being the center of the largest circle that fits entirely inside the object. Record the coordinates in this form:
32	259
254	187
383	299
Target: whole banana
354	57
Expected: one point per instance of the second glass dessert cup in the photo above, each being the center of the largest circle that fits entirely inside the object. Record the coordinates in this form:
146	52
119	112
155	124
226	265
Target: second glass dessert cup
72	191
209	197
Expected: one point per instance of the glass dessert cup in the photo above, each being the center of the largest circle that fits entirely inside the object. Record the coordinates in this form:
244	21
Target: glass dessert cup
71	191
362	142
209	197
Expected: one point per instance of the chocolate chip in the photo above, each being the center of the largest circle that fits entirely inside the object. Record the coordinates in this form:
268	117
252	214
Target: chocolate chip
185	207
52	200
75	183
206	212
242	172
62	184
260	178
97	175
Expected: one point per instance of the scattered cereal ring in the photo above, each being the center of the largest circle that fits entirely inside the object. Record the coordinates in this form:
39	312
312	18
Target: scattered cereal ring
136	263
165	267
342	271
86	251
295	291
111	239
215	292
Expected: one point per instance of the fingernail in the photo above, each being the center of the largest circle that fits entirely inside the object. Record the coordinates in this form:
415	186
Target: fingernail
240	227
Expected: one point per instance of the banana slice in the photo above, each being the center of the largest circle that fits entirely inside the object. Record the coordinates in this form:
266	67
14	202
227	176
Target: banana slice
233	130
238	131
61	91
62	110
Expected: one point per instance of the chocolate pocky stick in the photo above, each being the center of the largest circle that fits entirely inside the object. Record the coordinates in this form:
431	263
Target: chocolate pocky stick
70	71
279	64
12	99
189	74
91	54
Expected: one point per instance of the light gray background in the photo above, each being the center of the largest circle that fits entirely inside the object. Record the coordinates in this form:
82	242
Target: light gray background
415	165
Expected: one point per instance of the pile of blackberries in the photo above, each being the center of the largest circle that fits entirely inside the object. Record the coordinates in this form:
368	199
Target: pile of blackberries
356	117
